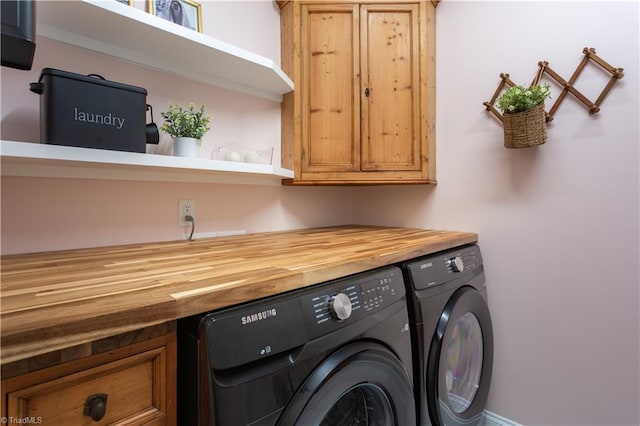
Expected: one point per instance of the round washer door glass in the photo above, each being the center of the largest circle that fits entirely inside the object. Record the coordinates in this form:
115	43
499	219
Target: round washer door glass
362	383
463	362
363	405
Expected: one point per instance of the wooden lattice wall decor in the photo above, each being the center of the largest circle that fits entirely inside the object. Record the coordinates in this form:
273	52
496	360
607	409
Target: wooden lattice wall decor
567	86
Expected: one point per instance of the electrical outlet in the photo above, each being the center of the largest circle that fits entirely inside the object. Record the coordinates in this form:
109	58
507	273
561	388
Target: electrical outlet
186	208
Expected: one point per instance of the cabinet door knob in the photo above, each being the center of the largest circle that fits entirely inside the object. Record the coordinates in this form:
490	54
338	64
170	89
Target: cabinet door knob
96	406
367	92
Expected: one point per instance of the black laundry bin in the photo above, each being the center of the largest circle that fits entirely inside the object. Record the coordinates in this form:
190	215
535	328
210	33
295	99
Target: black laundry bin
92	112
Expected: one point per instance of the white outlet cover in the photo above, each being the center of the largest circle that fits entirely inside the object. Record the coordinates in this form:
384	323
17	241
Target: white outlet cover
186	207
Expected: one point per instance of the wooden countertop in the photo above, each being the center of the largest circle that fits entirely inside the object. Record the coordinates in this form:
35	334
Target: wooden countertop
54	300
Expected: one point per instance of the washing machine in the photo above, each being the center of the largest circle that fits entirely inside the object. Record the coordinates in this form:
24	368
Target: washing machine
452	336
334	354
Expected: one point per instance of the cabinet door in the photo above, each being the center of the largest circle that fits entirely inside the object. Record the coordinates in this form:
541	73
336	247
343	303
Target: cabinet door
363	112
390	69
330	86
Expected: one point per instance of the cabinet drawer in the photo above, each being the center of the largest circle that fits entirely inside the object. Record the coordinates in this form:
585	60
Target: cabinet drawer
134	388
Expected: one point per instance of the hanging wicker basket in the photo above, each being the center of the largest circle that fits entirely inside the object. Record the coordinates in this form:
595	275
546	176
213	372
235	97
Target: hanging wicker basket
525	129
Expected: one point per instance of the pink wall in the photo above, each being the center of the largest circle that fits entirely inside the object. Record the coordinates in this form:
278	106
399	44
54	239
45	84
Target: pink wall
49	214
558	224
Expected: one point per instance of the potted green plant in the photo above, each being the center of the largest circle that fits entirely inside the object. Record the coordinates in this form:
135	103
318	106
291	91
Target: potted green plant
523	116
187	126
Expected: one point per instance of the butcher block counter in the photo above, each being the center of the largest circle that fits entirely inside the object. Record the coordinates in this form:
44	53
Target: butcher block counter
55	300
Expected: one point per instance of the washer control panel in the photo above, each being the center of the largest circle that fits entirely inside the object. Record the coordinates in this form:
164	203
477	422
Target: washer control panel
281	323
437	269
375	293
350	299
455	264
336	306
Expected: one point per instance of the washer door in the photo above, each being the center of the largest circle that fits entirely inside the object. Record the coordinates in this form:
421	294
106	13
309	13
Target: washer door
361	384
460	361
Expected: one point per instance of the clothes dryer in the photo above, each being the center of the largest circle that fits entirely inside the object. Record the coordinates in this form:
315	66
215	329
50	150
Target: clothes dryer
452	335
337	353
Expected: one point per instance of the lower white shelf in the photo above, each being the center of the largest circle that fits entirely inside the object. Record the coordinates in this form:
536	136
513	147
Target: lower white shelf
42	160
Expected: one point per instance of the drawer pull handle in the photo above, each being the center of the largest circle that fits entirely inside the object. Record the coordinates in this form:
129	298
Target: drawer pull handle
96	406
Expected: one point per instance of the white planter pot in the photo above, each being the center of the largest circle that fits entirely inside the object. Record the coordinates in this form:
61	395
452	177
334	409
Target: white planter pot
185	147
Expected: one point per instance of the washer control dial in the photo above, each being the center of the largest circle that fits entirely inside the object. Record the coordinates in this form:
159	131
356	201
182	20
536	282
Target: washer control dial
456	264
340	306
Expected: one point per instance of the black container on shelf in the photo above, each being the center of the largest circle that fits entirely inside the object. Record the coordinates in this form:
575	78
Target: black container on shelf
18	34
91	112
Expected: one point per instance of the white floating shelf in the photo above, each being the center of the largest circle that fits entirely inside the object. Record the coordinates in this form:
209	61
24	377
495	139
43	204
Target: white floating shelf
124	32
42	160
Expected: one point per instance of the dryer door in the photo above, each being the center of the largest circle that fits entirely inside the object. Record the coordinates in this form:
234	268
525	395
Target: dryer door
361	384
460	360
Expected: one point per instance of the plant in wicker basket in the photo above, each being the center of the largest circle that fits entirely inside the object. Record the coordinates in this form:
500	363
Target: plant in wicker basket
523	116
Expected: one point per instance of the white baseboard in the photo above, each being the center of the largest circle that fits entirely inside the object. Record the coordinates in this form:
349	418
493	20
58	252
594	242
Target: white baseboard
492	419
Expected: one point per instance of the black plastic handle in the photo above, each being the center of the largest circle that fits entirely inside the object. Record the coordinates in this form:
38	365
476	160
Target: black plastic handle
36	88
96	406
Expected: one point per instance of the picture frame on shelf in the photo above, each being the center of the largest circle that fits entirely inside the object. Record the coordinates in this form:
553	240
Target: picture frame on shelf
186	13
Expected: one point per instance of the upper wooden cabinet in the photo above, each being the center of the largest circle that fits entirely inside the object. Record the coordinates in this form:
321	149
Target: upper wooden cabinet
363	111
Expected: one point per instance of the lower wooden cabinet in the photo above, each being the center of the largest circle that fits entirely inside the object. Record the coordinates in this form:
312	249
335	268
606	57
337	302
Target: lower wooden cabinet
133	384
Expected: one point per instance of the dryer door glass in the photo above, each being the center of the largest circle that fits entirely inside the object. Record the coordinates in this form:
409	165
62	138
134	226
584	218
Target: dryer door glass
460	359
364	404
463	362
